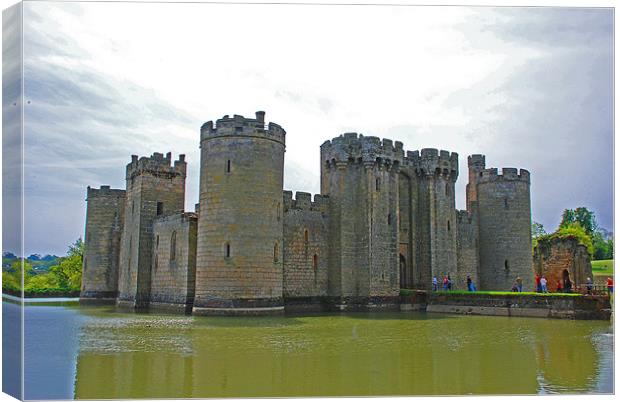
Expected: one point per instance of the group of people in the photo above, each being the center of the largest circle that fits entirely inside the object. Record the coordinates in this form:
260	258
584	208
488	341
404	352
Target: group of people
566	287
446	284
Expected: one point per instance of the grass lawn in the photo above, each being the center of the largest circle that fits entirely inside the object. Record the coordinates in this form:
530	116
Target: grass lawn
603	267
407	292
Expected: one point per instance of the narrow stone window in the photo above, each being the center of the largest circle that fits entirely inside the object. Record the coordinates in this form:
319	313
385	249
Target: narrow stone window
278	211
228	166
130	245
505	203
315	262
157	242
306	236
506	266
378	184
448	226
156	261
160	208
227	250
447	188
389	220
133	207
173	246
276	252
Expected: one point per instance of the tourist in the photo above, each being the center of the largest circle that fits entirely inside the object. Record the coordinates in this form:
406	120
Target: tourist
538	288
559	287
449	283
589	286
519	284
543	285
514	287
610	286
470	284
434	283
445	283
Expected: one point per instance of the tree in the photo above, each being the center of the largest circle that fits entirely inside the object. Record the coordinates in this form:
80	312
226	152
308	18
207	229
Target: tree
68	272
12	278
537	230
580	215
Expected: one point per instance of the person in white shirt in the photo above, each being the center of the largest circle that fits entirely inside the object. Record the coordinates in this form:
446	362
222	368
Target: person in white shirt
543	284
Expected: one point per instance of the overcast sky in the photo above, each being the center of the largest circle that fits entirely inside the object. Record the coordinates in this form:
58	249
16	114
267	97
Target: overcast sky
528	87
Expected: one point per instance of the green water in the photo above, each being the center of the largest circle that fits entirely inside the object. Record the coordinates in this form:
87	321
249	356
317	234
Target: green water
123	355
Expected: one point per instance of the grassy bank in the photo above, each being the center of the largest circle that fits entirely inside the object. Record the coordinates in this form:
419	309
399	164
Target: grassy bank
408	292
603	268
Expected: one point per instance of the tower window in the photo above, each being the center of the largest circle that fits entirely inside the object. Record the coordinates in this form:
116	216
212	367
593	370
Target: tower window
278	211
389	219
306	236
173	246
506	266
505	203
378	184
315	262
227	250
228	166
157	242
276	252
447	188
448	226
160	208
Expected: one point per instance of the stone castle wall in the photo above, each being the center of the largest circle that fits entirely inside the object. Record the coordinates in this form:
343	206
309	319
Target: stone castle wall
468	261
504	216
104	225
154	188
173	273
305	245
240	223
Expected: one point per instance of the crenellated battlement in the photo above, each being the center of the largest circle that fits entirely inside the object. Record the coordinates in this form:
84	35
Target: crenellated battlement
356	148
465	217
157	165
303	201
242	126
476	161
103	191
508	174
430	161
179	217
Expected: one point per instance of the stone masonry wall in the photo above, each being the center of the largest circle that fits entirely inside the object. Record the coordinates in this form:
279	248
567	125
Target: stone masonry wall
504	216
305	245
467	249
173	275
552	257
240	224
154	188
104	225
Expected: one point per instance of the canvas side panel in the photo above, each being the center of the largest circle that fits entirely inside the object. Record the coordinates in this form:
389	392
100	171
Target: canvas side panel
12	198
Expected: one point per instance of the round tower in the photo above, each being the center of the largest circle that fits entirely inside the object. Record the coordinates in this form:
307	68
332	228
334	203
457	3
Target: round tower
239	246
504	214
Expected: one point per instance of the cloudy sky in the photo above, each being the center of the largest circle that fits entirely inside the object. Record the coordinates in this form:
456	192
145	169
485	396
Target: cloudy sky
527	87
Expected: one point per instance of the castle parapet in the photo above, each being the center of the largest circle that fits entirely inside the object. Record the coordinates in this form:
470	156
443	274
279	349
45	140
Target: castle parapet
303	201
356	148
104	191
242	126
157	165
508	174
430	161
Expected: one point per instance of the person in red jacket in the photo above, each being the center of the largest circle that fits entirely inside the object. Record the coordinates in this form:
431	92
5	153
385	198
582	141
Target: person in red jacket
610	286
538	287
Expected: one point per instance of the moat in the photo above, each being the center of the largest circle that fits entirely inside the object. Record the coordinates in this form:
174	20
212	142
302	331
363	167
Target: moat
98	353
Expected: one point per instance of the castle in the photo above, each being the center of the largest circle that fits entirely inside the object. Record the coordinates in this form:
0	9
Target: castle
385	220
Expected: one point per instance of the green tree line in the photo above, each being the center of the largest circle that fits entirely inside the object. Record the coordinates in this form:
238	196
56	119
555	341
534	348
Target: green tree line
66	276
581	224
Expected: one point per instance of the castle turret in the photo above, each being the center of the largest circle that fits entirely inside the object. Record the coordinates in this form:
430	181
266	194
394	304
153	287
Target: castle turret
104	226
434	224
239	250
475	165
360	175
155	187
504	216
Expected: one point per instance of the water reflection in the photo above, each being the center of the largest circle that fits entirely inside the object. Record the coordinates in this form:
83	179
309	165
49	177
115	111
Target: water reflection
137	356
